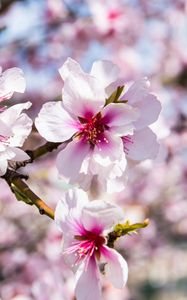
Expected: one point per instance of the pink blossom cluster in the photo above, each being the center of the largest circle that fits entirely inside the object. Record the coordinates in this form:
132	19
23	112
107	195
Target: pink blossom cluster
15	126
105	126
106	135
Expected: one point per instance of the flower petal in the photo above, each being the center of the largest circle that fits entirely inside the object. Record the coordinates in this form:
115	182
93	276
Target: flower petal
69	68
20	155
144	145
20	130
12	80
105	71
71	203
11	114
118	115
137	91
83	95
99	215
54	123
116	269
88	283
70	160
3	166
149	110
109	149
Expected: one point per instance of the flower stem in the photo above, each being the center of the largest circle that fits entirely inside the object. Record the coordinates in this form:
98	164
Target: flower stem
25	194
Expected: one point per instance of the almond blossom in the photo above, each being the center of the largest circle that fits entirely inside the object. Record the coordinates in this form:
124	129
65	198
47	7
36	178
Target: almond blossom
96	128
84	226
15	126
12	80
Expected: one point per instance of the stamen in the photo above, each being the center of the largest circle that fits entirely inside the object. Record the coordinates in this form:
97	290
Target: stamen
4	139
126	141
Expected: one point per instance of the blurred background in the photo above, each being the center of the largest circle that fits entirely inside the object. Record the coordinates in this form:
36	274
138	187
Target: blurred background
144	38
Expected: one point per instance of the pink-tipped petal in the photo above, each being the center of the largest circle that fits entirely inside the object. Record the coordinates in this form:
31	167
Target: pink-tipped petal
116	269
105	71
54	123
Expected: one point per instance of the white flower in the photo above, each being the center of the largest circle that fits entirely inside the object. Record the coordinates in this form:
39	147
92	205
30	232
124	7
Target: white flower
12	80
84	226
97	147
15	126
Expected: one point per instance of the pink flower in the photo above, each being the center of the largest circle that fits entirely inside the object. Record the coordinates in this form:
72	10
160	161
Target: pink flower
97	146
12	80
15	126
84	226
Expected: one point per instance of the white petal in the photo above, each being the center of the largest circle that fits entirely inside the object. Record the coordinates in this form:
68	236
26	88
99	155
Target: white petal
83	95
88	283
54	123
20	155
105	71
7	153
149	110
3	167
137	91
5	130
70	67
12	80
118	116
71	203
99	215
11	114
70	160
144	146
116	269
20	130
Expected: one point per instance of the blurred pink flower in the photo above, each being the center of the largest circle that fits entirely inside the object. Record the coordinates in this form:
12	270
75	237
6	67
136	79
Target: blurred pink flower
84	226
12	80
15	126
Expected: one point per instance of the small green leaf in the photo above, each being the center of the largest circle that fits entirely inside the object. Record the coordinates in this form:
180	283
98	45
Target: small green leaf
115	96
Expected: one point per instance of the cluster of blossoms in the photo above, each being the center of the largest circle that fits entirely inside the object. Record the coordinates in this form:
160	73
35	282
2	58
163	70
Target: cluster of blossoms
106	128
15	126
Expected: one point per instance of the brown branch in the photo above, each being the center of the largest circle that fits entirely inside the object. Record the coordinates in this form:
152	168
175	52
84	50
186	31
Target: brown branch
38	152
25	194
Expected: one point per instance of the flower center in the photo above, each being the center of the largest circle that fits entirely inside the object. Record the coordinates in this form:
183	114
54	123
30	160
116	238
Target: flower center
92	129
85	246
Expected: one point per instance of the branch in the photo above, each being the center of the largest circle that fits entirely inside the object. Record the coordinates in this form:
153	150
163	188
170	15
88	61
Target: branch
40	151
25	194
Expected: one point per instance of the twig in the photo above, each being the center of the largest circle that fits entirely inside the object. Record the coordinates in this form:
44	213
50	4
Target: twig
25	194
40	151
